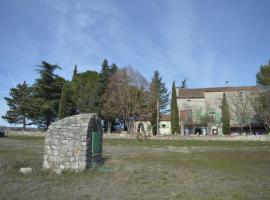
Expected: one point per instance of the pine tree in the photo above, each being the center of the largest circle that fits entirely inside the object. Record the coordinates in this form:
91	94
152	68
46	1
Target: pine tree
225	116
62	113
47	93
159	100
106	72
104	76
19	104
174	112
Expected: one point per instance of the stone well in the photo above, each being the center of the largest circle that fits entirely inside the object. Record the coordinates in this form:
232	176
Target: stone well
69	144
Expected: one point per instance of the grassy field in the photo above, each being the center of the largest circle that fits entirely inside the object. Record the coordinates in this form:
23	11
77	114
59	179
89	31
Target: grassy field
153	169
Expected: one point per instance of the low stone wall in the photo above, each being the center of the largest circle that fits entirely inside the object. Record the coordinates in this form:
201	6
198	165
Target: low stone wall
24	133
191	137
68	143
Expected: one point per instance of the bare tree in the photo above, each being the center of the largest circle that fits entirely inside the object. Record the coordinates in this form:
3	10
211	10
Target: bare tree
262	107
126	96
241	108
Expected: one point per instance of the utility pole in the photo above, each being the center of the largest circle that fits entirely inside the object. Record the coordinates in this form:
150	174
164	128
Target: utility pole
158	116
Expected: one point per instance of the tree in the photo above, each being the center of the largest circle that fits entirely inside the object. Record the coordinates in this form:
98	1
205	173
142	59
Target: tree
262	107
104	76
62	113
241	108
262	100
174	112
225	116
85	92
125	96
75	72
20	105
263	76
184	83
159	100
106	72
46	95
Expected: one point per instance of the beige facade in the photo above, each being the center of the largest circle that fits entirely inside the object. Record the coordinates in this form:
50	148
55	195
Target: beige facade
200	109
143	125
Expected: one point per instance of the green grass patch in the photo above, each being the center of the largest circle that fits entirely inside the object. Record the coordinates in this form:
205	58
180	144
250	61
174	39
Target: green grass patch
184	143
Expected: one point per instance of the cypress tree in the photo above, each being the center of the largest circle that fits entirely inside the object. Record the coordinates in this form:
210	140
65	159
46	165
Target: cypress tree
225	116
75	72
174	112
63	103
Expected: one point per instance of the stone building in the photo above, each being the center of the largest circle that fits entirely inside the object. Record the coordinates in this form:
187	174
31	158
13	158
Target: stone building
143	124
200	109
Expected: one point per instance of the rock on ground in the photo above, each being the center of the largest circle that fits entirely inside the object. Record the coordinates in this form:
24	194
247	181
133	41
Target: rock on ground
25	170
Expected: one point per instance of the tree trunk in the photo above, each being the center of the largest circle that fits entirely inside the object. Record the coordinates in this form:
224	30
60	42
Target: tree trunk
250	128
24	123
108	126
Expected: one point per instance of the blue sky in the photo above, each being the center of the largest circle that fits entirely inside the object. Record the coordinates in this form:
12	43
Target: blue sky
207	41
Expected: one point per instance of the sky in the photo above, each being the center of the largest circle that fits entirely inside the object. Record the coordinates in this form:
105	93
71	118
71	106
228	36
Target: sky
206	41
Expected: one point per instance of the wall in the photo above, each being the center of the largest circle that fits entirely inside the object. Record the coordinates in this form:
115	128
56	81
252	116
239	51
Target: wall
197	105
24	133
193	137
147	127
165	127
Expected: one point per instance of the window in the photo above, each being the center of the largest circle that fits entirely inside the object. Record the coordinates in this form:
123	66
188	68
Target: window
163	125
183	115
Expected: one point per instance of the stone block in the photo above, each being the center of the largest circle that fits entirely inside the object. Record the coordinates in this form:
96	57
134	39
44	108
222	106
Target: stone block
26	170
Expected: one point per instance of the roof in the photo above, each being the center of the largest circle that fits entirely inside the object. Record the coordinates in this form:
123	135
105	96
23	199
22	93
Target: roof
199	92
165	117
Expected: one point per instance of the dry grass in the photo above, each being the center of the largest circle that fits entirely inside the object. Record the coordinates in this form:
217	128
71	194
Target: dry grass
142	170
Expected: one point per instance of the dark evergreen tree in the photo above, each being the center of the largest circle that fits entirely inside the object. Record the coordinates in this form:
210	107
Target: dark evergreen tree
174	112
84	92
159	100
46	95
75	72
104	76
19	104
225	116
263	76
184	83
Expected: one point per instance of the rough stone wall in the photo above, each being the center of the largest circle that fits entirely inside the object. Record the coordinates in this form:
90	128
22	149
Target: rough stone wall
193	137
68	143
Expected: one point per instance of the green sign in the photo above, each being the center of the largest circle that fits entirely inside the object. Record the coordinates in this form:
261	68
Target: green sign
96	143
